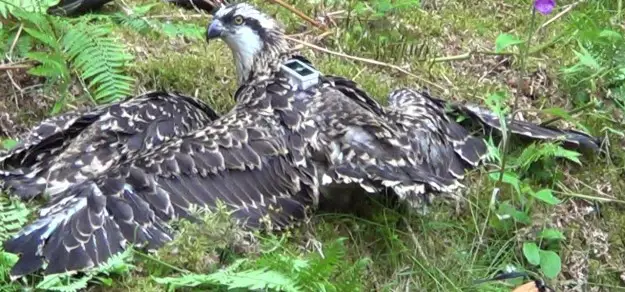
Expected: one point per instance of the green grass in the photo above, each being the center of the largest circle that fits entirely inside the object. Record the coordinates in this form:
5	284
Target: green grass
450	247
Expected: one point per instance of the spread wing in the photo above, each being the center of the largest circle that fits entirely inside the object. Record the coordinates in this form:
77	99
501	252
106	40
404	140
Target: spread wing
47	138
247	160
364	147
569	138
448	148
68	149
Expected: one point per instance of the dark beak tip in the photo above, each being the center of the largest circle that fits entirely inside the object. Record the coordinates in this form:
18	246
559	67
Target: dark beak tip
213	31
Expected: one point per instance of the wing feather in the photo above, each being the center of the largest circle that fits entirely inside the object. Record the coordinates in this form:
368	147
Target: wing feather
76	146
246	164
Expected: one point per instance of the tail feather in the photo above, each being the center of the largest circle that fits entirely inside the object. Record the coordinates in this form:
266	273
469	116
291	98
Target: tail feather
570	138
83	228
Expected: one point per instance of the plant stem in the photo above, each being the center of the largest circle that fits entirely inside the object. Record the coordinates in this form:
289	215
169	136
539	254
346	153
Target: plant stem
506	134
504	126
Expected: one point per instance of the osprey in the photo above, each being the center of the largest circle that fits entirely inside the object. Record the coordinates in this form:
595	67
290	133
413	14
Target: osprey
371	145
267	160
76	146
260	159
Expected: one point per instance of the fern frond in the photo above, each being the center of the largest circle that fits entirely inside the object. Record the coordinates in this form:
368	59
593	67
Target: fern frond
13	215
9	6
279	270
100	59
7	260
250	279
117	264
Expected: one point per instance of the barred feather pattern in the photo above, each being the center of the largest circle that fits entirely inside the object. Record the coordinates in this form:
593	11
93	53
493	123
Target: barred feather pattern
266	160
439	145
450	149
252	159
66	150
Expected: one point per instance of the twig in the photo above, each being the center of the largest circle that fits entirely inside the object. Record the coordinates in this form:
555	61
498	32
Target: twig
299	13
13	66
571	112
17	36
560	14
492	69
469	54
365	60
569	192
323	35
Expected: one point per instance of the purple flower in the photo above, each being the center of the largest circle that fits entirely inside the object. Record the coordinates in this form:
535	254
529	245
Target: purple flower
544	6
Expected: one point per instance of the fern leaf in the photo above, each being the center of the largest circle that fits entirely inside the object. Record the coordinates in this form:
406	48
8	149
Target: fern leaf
117	264
52	65
13	215
61	282
249	279
100	59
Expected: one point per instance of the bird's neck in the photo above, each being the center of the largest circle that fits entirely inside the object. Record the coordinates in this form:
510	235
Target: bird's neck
263	63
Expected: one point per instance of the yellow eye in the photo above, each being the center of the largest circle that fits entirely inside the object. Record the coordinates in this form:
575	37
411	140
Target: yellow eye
238	20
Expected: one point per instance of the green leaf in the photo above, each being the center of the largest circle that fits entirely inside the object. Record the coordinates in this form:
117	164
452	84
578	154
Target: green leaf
587	59
558	112
610	34
546	196
505	40
100	59
519	216
8	144
143	9
13	215
550	263
508	178
250	279
531	253
552	234
568	154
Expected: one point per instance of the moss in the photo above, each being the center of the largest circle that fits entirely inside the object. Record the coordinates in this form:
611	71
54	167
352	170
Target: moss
443	250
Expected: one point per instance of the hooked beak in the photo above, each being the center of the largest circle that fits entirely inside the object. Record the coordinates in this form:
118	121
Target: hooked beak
215	30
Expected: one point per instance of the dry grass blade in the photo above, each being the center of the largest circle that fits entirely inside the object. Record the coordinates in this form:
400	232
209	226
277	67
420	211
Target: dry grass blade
368	61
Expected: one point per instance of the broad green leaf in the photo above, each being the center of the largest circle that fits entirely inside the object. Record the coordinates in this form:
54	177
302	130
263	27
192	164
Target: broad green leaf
505	40
8	144
531	253
508	178
552	234
550	263
519	216
546	196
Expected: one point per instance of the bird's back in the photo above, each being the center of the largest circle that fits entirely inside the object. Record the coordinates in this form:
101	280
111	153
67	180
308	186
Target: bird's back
68	149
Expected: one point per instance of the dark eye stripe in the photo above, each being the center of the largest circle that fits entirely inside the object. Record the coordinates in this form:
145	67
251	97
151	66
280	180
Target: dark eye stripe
252	23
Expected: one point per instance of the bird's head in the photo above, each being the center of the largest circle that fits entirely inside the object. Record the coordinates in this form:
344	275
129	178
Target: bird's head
253	36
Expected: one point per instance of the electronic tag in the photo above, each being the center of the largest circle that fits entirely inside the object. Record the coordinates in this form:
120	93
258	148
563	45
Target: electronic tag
301	76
